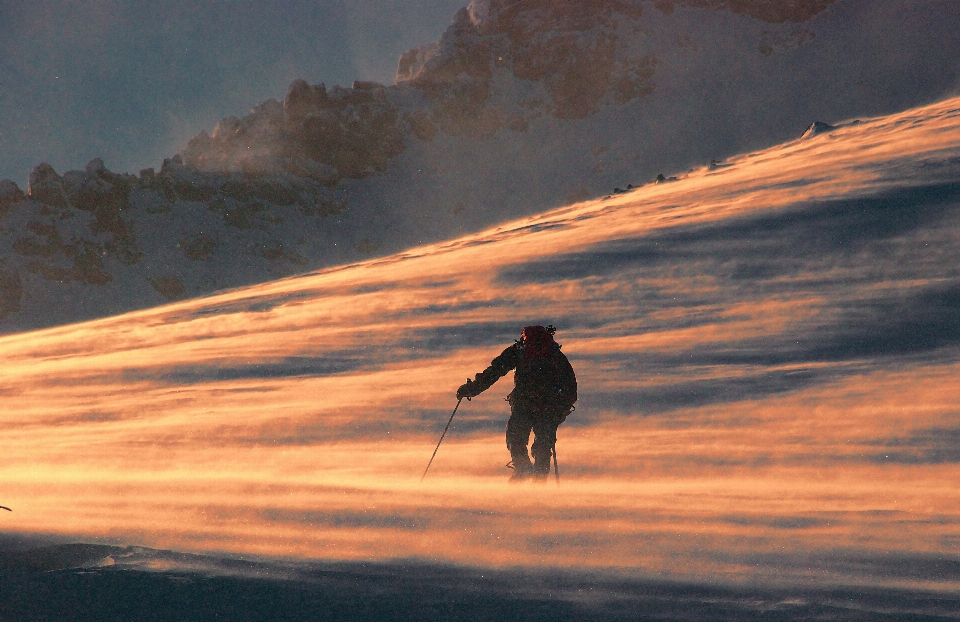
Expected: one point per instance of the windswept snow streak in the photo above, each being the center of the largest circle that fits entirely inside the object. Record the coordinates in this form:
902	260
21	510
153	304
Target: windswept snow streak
767	351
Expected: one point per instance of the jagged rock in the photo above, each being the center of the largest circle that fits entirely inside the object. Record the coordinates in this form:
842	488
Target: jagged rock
456	80
419	124
10	194
64	247
817	127
571	49
97	167
87	189
250	144
106	195
575	54
355	131
326	135
412	61
301	99
323	174
46	186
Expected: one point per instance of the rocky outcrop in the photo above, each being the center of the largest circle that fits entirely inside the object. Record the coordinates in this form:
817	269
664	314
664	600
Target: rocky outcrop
578	54
354	131
10	194
521	105
46	186
71	223
816	128
317	134
501	65
84	230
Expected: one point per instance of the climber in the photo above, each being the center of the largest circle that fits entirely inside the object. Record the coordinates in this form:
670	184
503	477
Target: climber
544	393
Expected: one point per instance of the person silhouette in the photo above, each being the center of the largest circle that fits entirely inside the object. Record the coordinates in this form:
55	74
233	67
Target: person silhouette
544	394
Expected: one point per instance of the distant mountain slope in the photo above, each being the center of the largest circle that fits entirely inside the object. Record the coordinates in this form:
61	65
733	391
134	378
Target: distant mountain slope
521	105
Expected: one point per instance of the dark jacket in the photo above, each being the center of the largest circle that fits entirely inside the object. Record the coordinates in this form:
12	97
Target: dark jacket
543	384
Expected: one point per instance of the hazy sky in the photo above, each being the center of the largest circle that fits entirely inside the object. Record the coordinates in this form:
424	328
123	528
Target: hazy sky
130	81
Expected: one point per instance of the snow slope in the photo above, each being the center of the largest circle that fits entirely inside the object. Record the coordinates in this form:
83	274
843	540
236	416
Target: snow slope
523	105
766	348
136	584
89	583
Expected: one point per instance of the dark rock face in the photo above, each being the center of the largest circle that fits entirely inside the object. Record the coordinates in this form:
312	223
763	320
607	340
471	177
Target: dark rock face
817	127
573	52
105	195
320	134
456	81
572	60
46	186
572	49
354	131
78	257
52	208
10	194
80	230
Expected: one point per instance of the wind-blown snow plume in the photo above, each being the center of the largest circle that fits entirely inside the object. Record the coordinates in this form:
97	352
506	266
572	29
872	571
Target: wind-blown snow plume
766	352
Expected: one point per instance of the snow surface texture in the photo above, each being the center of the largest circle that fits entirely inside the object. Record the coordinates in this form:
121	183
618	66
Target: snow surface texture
135	583
521	106
767	351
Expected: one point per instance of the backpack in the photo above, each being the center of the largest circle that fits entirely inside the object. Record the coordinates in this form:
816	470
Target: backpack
545	382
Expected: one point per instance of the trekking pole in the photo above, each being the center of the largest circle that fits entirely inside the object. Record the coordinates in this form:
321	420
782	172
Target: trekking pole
556	467
441	439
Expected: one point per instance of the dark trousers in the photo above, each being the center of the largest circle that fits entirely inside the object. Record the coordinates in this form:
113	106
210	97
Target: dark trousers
544	426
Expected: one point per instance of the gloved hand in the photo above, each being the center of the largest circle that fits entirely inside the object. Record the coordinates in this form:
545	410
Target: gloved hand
467	390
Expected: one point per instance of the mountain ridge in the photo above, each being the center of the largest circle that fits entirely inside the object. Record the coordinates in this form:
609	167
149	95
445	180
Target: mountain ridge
520	106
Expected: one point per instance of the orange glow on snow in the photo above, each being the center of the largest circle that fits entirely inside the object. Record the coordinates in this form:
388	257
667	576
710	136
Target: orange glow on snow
295	418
